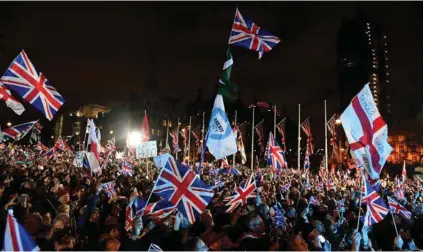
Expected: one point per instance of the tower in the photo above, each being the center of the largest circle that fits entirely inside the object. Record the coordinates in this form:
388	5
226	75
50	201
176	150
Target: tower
363	57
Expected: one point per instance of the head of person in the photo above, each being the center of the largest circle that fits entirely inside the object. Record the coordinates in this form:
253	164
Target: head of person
62	240
297	243
196	244
207	219
33	223
256	224
112	244
63	196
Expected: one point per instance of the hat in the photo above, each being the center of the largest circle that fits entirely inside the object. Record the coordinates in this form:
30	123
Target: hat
62	192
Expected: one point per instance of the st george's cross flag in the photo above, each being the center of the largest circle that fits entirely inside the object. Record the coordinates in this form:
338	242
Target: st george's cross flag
16	237
366	132
10	101
180	185
247	34
220	137
33	86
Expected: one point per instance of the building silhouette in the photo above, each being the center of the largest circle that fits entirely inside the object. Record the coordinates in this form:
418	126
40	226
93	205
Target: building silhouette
363	57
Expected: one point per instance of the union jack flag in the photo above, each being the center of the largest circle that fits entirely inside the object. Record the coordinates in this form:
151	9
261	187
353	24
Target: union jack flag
259	128
330	185
306	127
183	189
241	194
109	188
376	208
184	134
281	127
41	147
126	168
247	34
306	163
403	171
174	136
159	210
397	208
196	132
16	237
17	132
275	154
313	201
129	217
285	188
278	218
319	186
33	86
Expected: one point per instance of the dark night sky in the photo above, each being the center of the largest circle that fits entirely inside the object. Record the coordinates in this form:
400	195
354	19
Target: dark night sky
100	52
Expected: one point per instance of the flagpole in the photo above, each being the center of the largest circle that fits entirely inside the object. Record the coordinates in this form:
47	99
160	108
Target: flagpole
360	200
235	14
253	138
167	132
326	136
203	131
275	119
298	140
189	137
178	134
235	125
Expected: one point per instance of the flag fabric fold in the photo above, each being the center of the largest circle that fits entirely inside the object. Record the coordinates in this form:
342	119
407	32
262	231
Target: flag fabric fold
228	89
16	237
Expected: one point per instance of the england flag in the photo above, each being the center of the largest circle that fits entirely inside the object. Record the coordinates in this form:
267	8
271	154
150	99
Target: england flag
366	132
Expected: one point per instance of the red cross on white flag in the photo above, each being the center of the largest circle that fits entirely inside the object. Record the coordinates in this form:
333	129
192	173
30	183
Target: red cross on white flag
366	132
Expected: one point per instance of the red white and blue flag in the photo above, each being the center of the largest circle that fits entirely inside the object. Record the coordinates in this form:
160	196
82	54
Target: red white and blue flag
126	168
306	162
174	136
33	86
366	132
241	194
314	201
17	132
159	210
376	208
41	147
281	127
16	237
404	172
275	154
247	34
397	208
306	127
180	185
109	189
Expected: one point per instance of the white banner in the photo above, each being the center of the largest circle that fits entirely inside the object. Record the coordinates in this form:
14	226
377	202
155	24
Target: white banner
146	150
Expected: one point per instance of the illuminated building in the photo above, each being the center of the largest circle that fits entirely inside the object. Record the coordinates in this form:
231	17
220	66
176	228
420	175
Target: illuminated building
363	57
405	147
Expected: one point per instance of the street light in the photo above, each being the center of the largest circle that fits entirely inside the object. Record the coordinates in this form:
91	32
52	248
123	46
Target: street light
9	124
111	132
338	121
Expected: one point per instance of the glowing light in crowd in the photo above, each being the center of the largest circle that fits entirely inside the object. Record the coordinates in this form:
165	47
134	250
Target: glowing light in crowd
134	138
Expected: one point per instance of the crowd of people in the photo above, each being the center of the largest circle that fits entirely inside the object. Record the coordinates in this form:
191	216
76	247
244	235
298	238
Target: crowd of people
64	207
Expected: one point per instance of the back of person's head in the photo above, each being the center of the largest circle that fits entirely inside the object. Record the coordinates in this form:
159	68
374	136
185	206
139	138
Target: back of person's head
63	240
112	244
195	244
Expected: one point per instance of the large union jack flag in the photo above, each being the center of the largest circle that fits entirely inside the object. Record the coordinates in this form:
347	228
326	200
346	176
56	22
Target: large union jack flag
183	189
33	86
109	189
376	208
397	208
275	154
241	194
247	34
17	132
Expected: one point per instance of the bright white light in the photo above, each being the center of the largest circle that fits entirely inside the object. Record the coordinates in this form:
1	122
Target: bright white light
9	124
134	138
